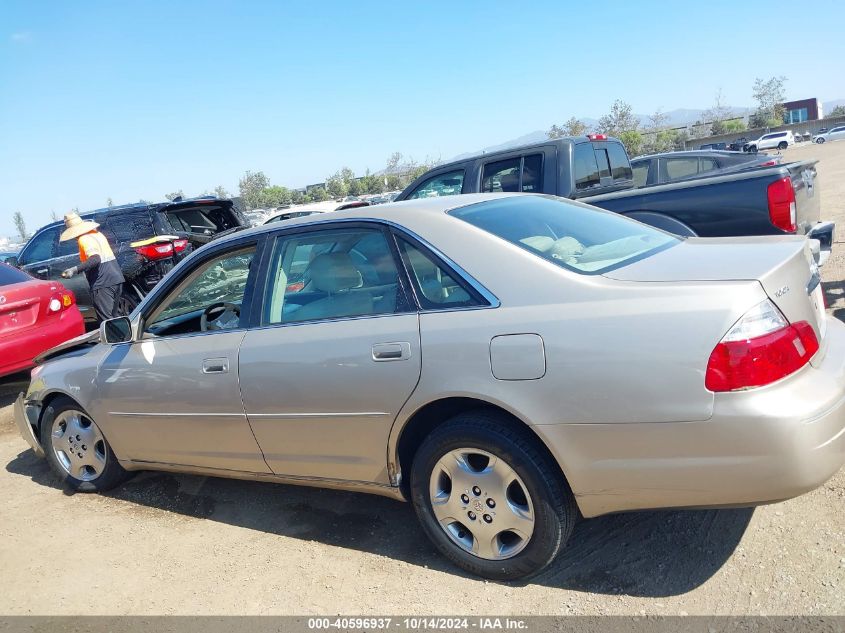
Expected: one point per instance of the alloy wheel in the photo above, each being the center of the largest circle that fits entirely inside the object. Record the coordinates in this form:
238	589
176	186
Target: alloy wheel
481	503
78	445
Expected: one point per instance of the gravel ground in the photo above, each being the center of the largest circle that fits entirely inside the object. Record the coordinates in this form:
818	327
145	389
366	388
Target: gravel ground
165	544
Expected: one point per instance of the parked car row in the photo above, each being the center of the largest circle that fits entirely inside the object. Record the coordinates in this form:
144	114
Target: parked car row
776	199
504	361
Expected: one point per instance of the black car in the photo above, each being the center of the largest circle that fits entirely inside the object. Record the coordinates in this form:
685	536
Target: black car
147	239
658	169
714	146
738	145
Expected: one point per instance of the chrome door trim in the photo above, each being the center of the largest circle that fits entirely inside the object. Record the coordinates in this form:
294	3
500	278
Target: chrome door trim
339	414
127	414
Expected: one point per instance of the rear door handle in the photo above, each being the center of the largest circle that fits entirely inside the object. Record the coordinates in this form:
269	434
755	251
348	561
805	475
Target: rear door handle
42	271
391	351
215	366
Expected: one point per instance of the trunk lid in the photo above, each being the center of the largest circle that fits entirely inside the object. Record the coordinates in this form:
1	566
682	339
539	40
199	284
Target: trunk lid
23	304
784	266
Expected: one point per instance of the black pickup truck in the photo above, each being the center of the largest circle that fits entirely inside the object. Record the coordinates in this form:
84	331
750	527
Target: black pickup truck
777	200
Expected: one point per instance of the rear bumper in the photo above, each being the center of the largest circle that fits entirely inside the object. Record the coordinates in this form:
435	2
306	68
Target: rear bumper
18	350
760	446
27	420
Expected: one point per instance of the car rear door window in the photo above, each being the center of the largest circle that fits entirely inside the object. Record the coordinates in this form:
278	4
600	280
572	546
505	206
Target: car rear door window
521	173
706	164
585	168
677	168
332	274
446	184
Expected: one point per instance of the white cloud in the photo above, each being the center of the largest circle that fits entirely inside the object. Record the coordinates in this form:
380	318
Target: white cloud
20	37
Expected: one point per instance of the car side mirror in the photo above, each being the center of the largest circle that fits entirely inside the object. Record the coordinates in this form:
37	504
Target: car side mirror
117	330
12	261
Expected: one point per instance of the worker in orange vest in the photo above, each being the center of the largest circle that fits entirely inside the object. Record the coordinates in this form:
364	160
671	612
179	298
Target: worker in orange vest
98	263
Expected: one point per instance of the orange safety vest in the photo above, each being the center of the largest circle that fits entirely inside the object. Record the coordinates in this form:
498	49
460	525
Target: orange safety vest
95	243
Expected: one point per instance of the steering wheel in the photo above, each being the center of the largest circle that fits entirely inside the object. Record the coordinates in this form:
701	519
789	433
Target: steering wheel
215	312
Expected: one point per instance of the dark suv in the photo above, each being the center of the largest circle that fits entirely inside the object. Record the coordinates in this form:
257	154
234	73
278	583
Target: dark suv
147	239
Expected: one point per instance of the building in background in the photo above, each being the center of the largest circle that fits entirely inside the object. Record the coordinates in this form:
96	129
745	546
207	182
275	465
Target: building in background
802	110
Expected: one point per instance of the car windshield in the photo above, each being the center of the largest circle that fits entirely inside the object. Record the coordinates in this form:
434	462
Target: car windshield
572	235
9	275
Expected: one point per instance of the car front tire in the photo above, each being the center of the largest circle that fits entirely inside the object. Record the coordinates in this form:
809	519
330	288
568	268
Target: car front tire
783	145
490	499
820	141
77	450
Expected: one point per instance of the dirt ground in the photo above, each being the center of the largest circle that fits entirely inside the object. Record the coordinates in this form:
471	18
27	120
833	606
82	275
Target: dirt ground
166	544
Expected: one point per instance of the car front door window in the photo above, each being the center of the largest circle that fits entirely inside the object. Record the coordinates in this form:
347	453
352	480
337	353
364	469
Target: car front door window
41	248
212	298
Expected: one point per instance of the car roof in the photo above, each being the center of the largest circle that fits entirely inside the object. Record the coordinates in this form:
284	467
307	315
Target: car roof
389	212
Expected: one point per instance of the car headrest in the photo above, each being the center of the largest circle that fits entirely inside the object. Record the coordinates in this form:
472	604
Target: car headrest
333	272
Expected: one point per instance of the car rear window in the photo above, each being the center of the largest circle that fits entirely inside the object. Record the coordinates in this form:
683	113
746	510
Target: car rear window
575	236
9	275
131	226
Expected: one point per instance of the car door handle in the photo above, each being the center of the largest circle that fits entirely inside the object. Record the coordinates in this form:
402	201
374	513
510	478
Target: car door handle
42	271
215	366
391	351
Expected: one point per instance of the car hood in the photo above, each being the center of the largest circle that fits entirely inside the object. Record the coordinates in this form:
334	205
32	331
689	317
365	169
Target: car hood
83	340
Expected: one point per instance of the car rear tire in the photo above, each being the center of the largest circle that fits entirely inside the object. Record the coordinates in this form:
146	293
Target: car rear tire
77	450
783	145
753	149
127	302
489	498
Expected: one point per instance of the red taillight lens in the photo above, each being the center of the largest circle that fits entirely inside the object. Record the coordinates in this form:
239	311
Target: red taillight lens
61	301
768	163
155	251
762	360
781	196
597	137
180	245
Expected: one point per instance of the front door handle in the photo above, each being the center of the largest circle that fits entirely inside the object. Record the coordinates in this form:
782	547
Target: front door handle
391	351
42	271
215	366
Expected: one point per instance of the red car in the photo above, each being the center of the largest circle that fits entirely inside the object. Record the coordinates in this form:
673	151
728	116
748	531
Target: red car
35	315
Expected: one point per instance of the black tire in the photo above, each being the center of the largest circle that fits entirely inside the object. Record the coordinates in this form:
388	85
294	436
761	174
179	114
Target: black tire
783	145
127	302
113	474
820	141
753	149
554	508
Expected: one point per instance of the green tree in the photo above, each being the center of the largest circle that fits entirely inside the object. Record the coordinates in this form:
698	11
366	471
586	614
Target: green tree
572	127
620	119
318	194
297	197
20	226
176	194
734	125
769	95
372	184
356	187
220	192
336	185
717	114
251	185
633	141
837	111
274	196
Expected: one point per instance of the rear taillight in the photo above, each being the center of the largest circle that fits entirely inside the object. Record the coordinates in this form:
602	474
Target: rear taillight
155	251
180	245
759	349
61	301
768	163
597	137
781	196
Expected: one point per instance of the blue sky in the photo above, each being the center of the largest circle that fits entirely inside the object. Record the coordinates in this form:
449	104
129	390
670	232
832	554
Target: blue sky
134	100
